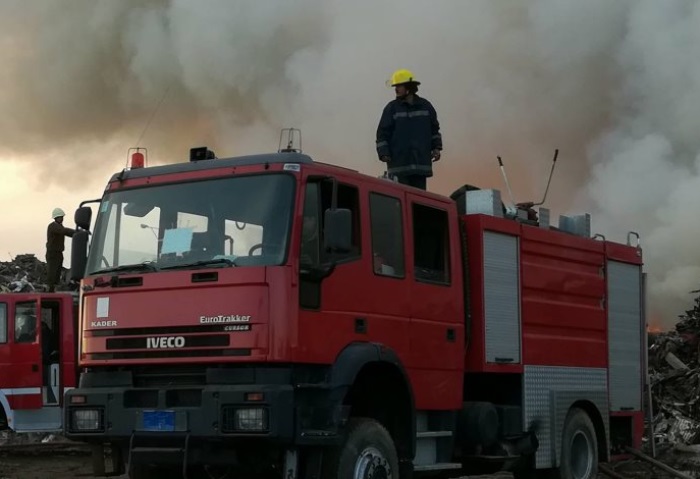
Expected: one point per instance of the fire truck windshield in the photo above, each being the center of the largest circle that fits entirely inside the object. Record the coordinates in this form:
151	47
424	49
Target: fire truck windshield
223	222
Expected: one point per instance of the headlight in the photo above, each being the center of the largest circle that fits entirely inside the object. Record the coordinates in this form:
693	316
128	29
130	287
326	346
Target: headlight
84	419
251	419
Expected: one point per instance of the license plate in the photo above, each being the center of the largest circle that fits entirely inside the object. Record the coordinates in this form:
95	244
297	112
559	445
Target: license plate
159	420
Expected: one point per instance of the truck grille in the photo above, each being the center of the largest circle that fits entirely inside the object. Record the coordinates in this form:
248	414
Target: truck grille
200	341
162	376
179	353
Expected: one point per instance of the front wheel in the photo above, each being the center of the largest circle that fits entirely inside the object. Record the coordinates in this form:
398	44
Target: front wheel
579	447
367	452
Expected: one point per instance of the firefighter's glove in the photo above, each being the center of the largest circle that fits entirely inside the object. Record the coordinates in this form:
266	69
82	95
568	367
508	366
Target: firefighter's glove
385	159
435	155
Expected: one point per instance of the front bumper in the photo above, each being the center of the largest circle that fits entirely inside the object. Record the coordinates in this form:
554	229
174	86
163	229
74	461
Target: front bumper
282	411
210	411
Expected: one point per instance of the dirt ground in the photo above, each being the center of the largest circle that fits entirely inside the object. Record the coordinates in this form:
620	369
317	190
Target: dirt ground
65	466
59	466
78	465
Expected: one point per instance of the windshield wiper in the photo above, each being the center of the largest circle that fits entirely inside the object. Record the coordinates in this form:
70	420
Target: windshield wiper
147	266
206	262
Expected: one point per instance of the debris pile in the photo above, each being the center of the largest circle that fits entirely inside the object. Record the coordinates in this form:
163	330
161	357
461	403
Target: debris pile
24	274
674	375
12	438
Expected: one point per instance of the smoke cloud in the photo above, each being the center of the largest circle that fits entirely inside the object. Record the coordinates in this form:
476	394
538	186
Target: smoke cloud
613	85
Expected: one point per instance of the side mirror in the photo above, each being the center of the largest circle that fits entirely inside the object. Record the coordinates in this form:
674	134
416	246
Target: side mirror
337	232
78	259
83	217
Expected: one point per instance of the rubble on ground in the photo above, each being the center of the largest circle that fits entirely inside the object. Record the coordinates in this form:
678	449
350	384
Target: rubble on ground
8	437
674	376
24	274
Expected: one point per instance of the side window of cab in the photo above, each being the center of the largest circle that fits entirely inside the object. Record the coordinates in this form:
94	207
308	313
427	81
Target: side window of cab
317	199
386	223
25	323
431	245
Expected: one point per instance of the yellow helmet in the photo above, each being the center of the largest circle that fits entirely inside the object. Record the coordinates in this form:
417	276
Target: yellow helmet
402	76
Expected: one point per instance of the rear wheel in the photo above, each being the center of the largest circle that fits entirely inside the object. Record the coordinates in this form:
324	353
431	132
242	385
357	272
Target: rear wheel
367	452
579	447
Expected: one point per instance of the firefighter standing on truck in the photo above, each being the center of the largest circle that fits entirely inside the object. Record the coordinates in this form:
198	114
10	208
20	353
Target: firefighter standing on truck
55	244
408	135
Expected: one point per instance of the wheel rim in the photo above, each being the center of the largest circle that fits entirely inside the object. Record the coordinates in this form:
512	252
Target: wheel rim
371	464
581	456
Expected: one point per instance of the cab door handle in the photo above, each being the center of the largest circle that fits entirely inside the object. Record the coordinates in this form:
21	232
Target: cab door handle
35	368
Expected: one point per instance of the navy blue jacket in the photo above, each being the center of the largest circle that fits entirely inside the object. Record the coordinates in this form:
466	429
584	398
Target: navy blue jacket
407	133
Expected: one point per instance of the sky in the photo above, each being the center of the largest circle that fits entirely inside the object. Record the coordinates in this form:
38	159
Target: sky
615	86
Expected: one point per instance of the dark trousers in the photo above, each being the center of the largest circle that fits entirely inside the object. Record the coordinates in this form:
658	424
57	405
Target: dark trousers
417	181
54	264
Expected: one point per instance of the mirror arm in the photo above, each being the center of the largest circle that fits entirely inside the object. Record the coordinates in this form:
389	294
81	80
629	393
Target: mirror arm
83	203
334	197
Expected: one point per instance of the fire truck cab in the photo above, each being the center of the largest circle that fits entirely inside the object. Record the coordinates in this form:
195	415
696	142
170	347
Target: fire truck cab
37	359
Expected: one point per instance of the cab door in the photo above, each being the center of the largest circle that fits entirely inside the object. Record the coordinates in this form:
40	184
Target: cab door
51	348
358	295
24	381
437	314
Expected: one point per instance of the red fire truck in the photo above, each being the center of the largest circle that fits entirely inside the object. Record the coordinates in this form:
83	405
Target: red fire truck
273	314
37	359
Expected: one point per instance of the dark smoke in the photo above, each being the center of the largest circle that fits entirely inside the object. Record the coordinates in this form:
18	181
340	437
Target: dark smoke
80	73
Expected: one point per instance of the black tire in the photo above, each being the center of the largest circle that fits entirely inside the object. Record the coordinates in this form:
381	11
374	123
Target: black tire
367	447
579	447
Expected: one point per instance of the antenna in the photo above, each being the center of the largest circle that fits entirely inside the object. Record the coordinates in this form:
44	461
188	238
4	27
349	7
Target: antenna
554	162
290	141
503	172
529	204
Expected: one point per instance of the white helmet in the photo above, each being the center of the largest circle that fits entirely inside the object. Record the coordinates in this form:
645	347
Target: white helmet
57	212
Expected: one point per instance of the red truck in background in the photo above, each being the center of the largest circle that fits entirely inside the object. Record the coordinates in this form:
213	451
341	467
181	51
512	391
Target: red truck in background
38	357
273	314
